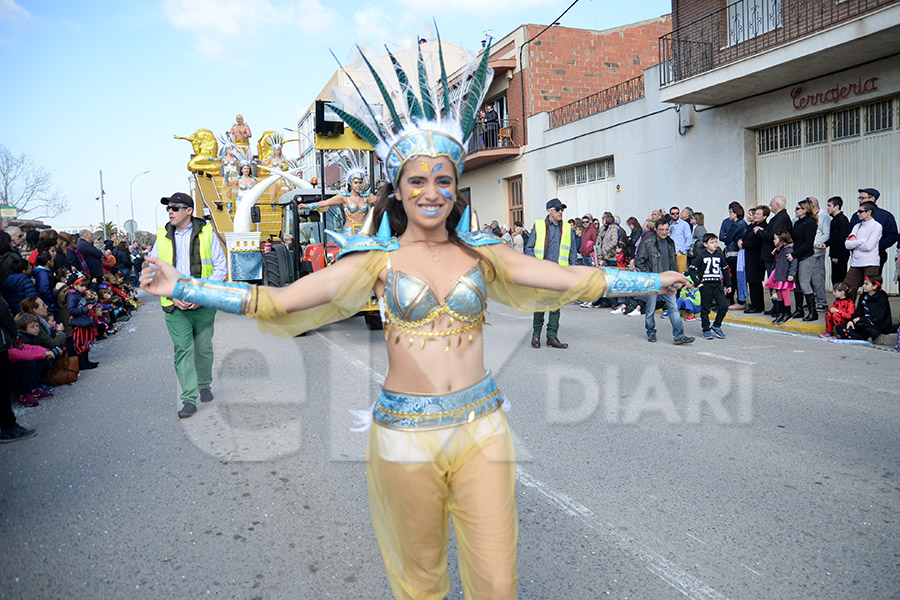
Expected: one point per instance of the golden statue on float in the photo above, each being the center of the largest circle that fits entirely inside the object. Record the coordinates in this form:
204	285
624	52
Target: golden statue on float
206	150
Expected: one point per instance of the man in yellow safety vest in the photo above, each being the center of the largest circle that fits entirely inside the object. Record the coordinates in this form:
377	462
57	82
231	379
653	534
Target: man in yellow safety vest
551	239
191	246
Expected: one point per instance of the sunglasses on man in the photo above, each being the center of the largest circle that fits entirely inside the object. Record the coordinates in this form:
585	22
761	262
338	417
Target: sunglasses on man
176	208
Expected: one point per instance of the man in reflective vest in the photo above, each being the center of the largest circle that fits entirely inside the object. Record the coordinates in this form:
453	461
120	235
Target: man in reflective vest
191	246
551	239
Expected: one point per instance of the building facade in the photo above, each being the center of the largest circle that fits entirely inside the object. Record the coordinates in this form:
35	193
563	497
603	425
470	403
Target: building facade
815	112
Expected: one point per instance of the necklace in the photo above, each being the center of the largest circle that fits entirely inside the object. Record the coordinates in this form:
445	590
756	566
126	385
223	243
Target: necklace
435	256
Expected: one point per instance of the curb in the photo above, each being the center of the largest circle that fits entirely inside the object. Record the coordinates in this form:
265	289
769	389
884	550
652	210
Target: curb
793	326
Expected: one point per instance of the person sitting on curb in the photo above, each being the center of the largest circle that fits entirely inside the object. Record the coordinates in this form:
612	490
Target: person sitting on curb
840	312
872	316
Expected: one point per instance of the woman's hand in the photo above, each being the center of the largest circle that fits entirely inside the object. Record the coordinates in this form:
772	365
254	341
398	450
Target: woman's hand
672	281
159	277
790	277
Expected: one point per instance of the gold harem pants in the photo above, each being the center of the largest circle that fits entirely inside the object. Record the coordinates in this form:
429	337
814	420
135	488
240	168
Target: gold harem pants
417	478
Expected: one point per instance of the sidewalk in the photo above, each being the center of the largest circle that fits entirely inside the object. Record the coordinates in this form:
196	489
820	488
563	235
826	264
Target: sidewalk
806	327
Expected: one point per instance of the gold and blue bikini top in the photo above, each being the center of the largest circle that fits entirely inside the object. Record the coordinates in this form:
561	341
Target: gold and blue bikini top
352	208
410	306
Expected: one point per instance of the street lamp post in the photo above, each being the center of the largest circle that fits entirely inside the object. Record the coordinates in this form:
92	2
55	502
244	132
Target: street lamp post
131	199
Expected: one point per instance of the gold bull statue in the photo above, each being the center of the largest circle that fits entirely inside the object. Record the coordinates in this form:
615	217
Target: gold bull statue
206	149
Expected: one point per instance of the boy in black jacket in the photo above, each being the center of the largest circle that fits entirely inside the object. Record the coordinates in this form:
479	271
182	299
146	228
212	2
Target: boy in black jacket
709	271
872	316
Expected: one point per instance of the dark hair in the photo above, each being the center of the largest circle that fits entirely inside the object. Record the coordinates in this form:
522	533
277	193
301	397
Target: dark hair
869	206
785	238
765	210
24	319
49	235
876	279
737	209
709	236
32	238
122	246
5	242
18	265
28	304
837	201
671	208
634	224
397	219
840	286
660	222
43	258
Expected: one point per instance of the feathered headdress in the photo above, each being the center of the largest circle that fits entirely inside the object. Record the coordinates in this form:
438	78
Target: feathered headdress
275	140
437	122
353	163
243	157
224	145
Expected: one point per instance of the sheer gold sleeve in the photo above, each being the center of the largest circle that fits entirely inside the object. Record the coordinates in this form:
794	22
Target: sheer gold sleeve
354	295
502	288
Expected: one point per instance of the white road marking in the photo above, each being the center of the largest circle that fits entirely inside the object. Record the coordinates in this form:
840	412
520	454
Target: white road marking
694	537
749	569
728	358
682	581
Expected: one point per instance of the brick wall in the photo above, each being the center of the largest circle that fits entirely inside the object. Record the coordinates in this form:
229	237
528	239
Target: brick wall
568	64
688	11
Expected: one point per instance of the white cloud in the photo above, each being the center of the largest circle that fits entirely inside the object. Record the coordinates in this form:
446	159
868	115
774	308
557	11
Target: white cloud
13	14
474	8
224	24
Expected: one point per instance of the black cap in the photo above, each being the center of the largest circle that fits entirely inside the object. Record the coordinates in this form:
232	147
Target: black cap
871	191
178	198
555	203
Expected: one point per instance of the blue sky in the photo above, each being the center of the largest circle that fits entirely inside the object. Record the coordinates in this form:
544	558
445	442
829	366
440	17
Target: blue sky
92	86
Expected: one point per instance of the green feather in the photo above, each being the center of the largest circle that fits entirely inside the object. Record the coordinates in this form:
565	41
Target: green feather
384	93
375	119
427	102
467	118
358	127
415	109
444	84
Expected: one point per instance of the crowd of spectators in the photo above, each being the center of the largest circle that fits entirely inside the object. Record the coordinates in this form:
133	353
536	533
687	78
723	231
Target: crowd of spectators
764	249
60	293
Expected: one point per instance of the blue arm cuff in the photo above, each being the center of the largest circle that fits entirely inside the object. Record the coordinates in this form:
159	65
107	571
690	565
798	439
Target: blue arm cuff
228	297
313	206
628	283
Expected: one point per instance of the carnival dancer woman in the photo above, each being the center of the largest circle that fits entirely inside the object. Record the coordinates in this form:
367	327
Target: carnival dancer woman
431	452
276	162
355	199
242	184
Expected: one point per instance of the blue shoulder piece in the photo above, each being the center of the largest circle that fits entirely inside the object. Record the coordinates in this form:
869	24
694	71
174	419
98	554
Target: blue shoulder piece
479	238
362	243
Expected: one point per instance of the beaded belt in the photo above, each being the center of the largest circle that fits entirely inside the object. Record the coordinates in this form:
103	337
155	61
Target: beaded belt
414	411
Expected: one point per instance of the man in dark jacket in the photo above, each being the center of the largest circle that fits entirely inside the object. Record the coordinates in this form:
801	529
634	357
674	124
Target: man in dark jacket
755	269
872	316
780	221
889	235
10	430
655	255
93	258
840	229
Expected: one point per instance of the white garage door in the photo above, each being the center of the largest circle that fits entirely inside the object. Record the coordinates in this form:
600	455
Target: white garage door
588	188
835	154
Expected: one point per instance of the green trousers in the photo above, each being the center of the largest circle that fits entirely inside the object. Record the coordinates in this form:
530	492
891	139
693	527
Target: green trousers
191	332
552	323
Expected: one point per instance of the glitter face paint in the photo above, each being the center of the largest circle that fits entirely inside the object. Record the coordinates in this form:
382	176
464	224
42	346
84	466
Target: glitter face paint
437	167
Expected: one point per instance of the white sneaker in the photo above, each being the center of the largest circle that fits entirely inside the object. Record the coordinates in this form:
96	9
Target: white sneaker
618	311
635	313
586	305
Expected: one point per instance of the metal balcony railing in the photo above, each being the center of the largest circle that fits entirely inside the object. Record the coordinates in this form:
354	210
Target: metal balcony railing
625	92
490	136
748	27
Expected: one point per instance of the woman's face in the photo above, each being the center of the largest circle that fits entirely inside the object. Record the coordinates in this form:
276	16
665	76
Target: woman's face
427	189
356	185
801	212
245	170
40	308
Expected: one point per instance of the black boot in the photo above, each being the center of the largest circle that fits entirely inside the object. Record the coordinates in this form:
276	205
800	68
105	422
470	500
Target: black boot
776	311
786	314
811	304
84	364
798	301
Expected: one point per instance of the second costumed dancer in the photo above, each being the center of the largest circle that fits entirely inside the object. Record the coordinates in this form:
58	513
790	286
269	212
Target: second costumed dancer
431	453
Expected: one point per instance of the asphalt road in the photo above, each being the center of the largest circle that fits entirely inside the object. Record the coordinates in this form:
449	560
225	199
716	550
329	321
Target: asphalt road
760	466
